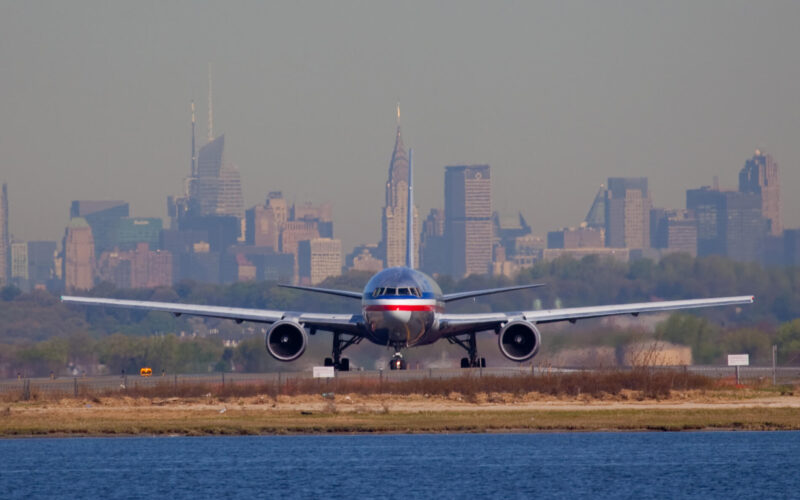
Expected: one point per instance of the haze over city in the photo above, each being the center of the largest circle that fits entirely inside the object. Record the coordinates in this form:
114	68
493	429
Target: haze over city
555	97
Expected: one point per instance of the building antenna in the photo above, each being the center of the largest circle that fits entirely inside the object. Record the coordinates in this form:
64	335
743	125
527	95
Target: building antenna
210	108
398	113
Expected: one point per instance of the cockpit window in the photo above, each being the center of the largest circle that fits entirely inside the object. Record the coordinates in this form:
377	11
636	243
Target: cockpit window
385	291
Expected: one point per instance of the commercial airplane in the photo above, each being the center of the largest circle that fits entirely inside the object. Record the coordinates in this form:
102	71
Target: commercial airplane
401	308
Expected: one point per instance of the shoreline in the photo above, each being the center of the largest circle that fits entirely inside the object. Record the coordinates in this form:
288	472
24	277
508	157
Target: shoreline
387	414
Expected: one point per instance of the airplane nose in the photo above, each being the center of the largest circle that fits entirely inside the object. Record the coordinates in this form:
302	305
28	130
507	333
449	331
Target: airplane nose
399	315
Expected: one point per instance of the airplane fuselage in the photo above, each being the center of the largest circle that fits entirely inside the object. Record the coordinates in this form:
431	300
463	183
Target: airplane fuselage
400	306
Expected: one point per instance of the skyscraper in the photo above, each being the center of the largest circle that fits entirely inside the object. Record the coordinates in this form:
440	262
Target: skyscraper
78	259
673	230
217	189
432	258
395	213
760	175
5	241
627	212
596	218
318	259
103	216
468	219
728	223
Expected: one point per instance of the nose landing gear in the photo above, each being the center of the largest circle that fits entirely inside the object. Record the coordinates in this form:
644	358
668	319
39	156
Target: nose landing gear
397	362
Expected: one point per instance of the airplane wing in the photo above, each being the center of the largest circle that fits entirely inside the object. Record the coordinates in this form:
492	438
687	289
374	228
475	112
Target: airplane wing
350	323
456	324
329	291
449	297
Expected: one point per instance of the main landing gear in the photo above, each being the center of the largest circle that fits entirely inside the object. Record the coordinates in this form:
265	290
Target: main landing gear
339	345
468	342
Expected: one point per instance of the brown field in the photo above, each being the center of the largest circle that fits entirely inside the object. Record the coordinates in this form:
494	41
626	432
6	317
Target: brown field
574	402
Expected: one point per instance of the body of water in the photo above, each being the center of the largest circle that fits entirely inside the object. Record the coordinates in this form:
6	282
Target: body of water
558	465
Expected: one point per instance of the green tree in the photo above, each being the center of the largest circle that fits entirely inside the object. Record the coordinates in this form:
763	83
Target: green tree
788	341
695	332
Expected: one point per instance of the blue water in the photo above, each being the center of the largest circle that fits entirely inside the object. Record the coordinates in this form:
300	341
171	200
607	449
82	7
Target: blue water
577	465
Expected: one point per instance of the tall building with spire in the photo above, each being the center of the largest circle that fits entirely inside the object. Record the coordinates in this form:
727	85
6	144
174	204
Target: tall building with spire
217	189
5	240
760	176
395	213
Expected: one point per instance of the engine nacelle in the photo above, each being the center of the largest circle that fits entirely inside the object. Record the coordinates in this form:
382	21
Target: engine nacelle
519	340
286	340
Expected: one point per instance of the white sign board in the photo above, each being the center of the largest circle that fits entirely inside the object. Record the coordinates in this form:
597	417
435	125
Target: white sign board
738	359
323	372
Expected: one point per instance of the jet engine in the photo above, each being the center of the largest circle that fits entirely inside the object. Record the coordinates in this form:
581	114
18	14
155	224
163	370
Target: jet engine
519	340
286	340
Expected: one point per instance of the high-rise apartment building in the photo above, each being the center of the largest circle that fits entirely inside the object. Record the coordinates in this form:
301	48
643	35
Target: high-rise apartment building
79	254
5	240
395	213
760	175
319	259
468	219
627	212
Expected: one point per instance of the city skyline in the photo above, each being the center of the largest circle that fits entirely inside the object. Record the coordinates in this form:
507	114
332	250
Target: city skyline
95	102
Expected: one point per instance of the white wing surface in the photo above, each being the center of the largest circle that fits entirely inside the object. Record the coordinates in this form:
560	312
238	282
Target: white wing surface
332	322
455	324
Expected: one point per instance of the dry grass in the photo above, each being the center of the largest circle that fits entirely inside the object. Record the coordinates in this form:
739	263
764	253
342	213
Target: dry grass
597	384
94	421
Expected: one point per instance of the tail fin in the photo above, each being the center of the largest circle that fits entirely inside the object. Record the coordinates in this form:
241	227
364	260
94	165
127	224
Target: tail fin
410	214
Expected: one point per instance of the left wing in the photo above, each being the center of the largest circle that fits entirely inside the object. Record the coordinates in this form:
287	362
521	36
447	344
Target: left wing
455	324
350	323
449	297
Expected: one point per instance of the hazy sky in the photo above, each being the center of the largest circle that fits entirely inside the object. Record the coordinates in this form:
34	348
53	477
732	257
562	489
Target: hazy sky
556	96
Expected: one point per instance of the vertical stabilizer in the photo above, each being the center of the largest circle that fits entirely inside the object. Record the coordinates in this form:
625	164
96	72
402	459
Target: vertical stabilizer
410	214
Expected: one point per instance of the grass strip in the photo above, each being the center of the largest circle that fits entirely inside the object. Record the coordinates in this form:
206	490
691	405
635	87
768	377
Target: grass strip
200	422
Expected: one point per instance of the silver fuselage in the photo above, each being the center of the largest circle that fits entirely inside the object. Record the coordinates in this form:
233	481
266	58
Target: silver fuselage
400	318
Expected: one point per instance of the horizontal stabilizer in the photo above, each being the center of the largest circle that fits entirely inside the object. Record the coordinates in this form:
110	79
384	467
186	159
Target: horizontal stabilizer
329	291
448	297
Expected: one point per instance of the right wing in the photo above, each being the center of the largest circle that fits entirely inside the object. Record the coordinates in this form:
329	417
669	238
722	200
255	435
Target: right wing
350	323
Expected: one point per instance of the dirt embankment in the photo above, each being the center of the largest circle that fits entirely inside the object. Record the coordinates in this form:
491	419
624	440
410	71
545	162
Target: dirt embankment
353	413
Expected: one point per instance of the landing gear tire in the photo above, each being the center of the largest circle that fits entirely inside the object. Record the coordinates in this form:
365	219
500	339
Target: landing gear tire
328	361
397	364
344	365
478	363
